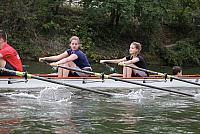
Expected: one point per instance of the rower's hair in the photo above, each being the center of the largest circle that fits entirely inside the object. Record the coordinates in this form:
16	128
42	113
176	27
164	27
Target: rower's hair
3	35
74	38
176	70
137	46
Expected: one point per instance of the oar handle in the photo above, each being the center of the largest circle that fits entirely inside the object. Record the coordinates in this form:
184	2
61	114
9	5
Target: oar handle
77	70
46	62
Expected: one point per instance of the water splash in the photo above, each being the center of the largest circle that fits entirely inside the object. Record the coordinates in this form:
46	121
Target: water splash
132	95
49	94
197	96
136	95
23	95
52	94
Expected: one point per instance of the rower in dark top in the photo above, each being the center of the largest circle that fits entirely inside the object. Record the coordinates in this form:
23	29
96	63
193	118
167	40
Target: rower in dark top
134	59
72	57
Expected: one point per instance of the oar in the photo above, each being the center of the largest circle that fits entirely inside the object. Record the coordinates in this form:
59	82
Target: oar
160	74
111	69
123	80
24	74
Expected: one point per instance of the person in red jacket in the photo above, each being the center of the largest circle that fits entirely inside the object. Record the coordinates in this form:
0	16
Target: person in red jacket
9	57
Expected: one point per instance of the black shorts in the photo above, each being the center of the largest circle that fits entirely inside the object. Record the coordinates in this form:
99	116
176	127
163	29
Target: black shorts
7	66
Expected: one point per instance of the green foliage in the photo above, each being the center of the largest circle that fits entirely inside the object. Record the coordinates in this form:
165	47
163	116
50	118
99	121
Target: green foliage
115	11
106	27
184	53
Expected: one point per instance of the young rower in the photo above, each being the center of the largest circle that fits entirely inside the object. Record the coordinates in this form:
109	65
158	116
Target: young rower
72	57
177	71
9	57
134	59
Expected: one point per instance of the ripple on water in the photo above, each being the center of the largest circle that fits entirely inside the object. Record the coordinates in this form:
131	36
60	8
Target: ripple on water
91	113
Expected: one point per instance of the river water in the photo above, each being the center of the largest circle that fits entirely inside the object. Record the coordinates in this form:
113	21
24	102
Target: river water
91	113
147	112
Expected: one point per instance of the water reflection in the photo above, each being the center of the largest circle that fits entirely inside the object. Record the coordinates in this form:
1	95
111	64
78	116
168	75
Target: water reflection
101	115
8	118
30	115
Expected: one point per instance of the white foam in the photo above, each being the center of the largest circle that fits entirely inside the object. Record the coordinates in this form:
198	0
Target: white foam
24	95
132	95
136	95
197	96
54	94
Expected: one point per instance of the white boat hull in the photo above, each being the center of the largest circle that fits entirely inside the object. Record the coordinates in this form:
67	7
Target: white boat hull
95	83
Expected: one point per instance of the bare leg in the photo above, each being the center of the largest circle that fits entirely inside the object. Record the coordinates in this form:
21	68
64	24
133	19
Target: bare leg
2	63
60	72
129	72
132	71
65	72
124	72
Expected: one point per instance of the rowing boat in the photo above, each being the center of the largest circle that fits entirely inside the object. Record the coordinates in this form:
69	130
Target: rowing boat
14	82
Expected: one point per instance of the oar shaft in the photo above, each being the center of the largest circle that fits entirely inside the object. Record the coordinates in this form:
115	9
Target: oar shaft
150	86
123	80
142	69
69	85
77	70
53	81
162	74
179	79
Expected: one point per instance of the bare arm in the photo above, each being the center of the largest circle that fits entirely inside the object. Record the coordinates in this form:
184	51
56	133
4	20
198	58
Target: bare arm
113	61
72	57
55	58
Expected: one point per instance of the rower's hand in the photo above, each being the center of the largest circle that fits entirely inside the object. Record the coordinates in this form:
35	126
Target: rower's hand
102	61
53	64
42	59
122	63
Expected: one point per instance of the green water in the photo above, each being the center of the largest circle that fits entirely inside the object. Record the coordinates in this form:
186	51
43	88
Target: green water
88	113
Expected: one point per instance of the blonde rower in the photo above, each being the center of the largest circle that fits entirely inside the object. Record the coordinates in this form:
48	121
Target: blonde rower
72	57
134	59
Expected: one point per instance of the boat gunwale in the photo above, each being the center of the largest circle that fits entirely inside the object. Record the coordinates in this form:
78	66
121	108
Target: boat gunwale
53	76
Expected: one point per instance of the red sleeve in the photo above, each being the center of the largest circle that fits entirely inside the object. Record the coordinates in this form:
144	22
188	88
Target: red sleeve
5	52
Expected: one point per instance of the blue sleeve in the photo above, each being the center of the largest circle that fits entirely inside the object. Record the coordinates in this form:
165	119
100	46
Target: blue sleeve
78	53
69	51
